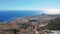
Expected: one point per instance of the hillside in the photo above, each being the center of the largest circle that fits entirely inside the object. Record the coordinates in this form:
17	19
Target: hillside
54	24
31	24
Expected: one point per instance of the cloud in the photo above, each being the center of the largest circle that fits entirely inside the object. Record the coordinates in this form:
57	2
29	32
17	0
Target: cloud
51	11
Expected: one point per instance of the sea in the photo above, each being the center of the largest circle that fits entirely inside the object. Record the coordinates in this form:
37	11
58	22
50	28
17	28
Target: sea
10	14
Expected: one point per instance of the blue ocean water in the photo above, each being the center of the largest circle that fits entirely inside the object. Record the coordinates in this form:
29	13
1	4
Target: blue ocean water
7	15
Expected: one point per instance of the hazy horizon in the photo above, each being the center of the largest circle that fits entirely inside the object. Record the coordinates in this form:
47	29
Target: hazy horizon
47	6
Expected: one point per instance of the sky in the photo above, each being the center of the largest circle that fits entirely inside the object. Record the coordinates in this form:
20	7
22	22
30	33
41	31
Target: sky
48	6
